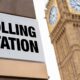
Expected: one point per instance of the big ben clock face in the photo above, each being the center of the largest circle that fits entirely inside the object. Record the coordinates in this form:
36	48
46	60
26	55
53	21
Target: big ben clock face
53	15
75	4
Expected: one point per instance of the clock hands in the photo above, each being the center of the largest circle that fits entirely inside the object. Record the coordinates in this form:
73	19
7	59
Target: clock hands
78	2
75	4
78	5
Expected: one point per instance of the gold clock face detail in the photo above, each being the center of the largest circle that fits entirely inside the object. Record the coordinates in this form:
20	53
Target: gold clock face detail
53	15
75	4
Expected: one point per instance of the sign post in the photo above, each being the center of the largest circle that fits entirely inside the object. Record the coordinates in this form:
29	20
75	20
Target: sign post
21	52
20	38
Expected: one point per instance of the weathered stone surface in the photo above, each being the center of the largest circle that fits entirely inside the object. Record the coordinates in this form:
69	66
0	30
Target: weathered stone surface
65	38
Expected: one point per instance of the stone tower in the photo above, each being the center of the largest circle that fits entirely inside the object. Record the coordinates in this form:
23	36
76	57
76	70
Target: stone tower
63	18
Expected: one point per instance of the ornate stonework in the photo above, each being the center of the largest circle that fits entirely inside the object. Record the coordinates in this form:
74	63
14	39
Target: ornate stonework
65	38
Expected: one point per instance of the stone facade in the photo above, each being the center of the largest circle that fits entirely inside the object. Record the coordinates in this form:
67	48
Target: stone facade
66	41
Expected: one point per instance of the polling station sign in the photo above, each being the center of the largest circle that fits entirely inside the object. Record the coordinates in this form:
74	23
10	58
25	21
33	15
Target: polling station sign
20	38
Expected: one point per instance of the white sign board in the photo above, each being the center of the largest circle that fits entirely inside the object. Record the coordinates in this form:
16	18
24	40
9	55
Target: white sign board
20	38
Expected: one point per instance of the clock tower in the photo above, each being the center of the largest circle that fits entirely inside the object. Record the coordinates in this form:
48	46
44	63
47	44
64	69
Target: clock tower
63	18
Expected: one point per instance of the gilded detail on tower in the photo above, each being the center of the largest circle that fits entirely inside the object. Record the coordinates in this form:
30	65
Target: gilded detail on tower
65	36
53	15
